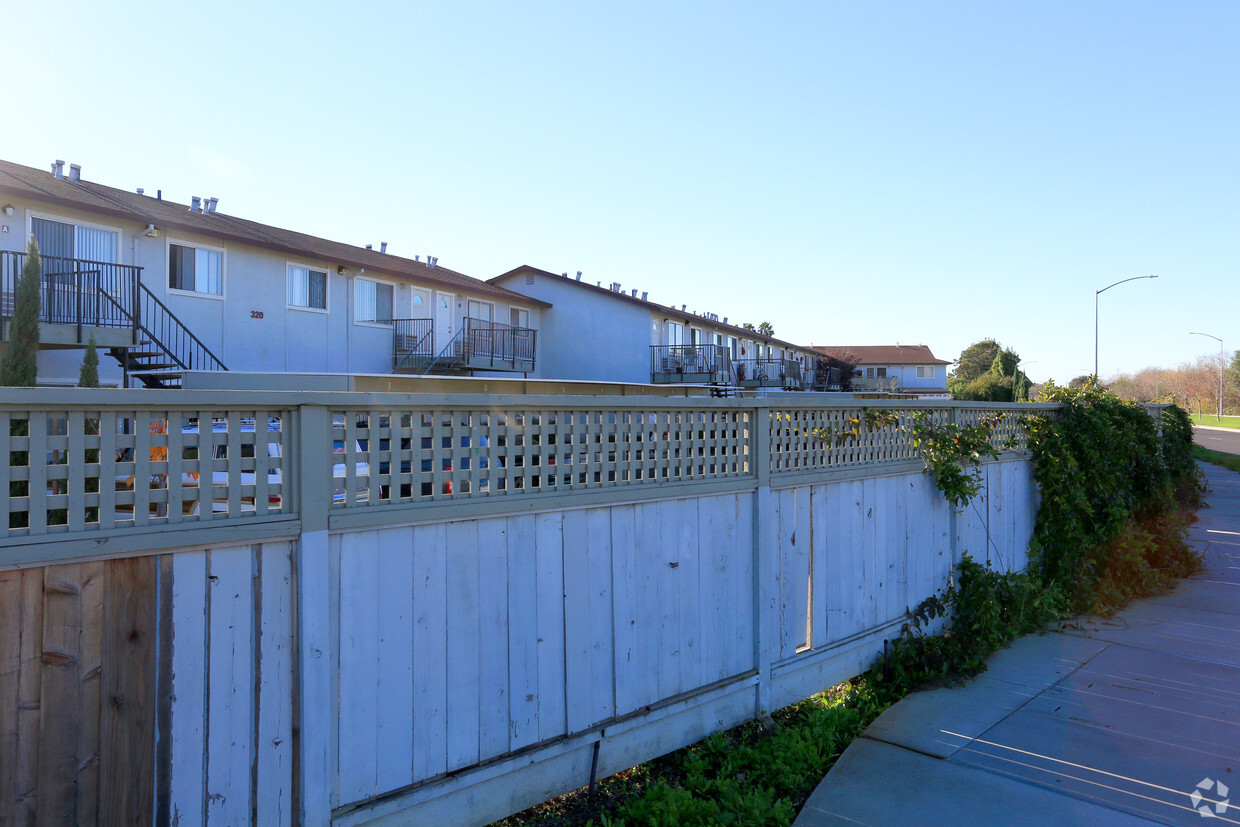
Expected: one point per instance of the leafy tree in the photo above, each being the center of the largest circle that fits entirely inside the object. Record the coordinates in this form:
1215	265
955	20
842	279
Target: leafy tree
1005	362
976	359
1081	381
766	329
89	375
20	366
749	326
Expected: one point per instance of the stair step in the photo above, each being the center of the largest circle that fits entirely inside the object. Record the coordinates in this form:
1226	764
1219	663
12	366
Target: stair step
147	367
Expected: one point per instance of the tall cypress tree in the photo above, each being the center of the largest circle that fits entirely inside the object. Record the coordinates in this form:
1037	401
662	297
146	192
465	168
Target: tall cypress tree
20	366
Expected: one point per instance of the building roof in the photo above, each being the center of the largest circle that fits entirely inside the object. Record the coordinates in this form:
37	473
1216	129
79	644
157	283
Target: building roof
40	185
662	309
884	354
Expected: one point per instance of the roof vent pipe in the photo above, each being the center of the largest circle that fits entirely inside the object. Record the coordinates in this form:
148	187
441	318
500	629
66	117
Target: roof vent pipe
141	191
418	259
578	275
383	246
58	169
644	295
725	319
159	195
432	261
211	205
195	204
682	308
634	292
369	247
565	275
75	173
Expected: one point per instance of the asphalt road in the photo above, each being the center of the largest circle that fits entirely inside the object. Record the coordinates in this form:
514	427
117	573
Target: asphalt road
1226	440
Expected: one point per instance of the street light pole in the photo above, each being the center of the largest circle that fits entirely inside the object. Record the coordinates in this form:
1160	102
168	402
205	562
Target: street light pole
1098	293
1221	358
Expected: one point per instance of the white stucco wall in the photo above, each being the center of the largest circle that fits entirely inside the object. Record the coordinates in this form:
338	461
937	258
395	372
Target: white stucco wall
587	335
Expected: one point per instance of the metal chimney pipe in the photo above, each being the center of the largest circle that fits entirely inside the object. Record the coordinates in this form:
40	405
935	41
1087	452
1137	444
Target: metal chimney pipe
645	293
383	246
214	202
75	173
58	169
195	204
369	247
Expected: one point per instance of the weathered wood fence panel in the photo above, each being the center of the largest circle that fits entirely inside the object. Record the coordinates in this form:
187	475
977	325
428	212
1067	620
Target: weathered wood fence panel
77	693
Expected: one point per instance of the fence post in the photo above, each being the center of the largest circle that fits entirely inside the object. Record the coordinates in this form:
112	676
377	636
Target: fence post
312	485
766	558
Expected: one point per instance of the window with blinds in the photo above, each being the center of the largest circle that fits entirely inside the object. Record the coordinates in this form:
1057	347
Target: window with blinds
372	302
195	270
307	288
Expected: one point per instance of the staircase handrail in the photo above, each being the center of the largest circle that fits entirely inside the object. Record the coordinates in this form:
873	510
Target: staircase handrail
215	363
448	350
409	354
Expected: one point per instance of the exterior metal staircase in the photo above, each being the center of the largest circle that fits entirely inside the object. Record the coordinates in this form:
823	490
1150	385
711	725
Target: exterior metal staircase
451	358
168	347
99	294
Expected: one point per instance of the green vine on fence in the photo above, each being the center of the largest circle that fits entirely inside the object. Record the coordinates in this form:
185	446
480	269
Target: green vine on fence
953	453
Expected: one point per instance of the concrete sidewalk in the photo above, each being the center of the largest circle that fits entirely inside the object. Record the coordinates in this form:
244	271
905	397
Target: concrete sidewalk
1108	721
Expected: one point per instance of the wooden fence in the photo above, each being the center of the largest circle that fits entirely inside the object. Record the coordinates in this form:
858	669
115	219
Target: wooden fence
379	608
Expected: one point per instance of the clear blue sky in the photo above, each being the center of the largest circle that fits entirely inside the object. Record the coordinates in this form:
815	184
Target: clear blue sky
855	173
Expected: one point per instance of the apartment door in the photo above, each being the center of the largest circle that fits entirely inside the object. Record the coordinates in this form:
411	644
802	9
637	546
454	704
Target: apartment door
444	305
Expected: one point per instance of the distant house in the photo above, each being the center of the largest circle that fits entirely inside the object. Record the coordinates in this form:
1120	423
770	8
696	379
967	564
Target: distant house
894	368
608	333
167	288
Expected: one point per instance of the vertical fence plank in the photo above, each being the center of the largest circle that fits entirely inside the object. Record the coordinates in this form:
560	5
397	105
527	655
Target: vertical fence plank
230	688
669	586
602	658
95	590
128	727
820	581
649	560
522	631
430	651
549	554
463	644
394	693
359	659
274	745
60	699
316	683
187	774
493	645
624	584
690	574
577	609
11	618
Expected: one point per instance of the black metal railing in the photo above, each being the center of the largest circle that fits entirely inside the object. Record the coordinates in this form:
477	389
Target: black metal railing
501	345
827	379
163	329
75	292
769	373
413	343
690	363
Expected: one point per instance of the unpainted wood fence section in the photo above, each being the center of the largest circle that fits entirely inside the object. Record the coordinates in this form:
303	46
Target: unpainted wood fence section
375	608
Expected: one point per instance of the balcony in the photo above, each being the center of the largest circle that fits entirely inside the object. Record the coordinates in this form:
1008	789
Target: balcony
889	384
769	373
77	300
690	364
479	345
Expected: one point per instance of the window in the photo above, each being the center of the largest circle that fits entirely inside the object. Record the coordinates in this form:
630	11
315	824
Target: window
373	302
483	311
195	270
307	288
59	238
925	372
518	317
882	373
869	373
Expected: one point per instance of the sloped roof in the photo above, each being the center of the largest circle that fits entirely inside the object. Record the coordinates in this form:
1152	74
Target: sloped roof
663	309
885	354
41	185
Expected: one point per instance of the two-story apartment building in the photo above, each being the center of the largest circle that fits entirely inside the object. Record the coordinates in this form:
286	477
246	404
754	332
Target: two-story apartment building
168	287
894	368
608	333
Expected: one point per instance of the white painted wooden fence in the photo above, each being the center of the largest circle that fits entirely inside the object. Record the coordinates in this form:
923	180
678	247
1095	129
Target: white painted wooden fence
454	607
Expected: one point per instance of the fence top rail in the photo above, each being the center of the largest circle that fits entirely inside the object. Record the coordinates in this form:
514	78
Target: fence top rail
16	399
